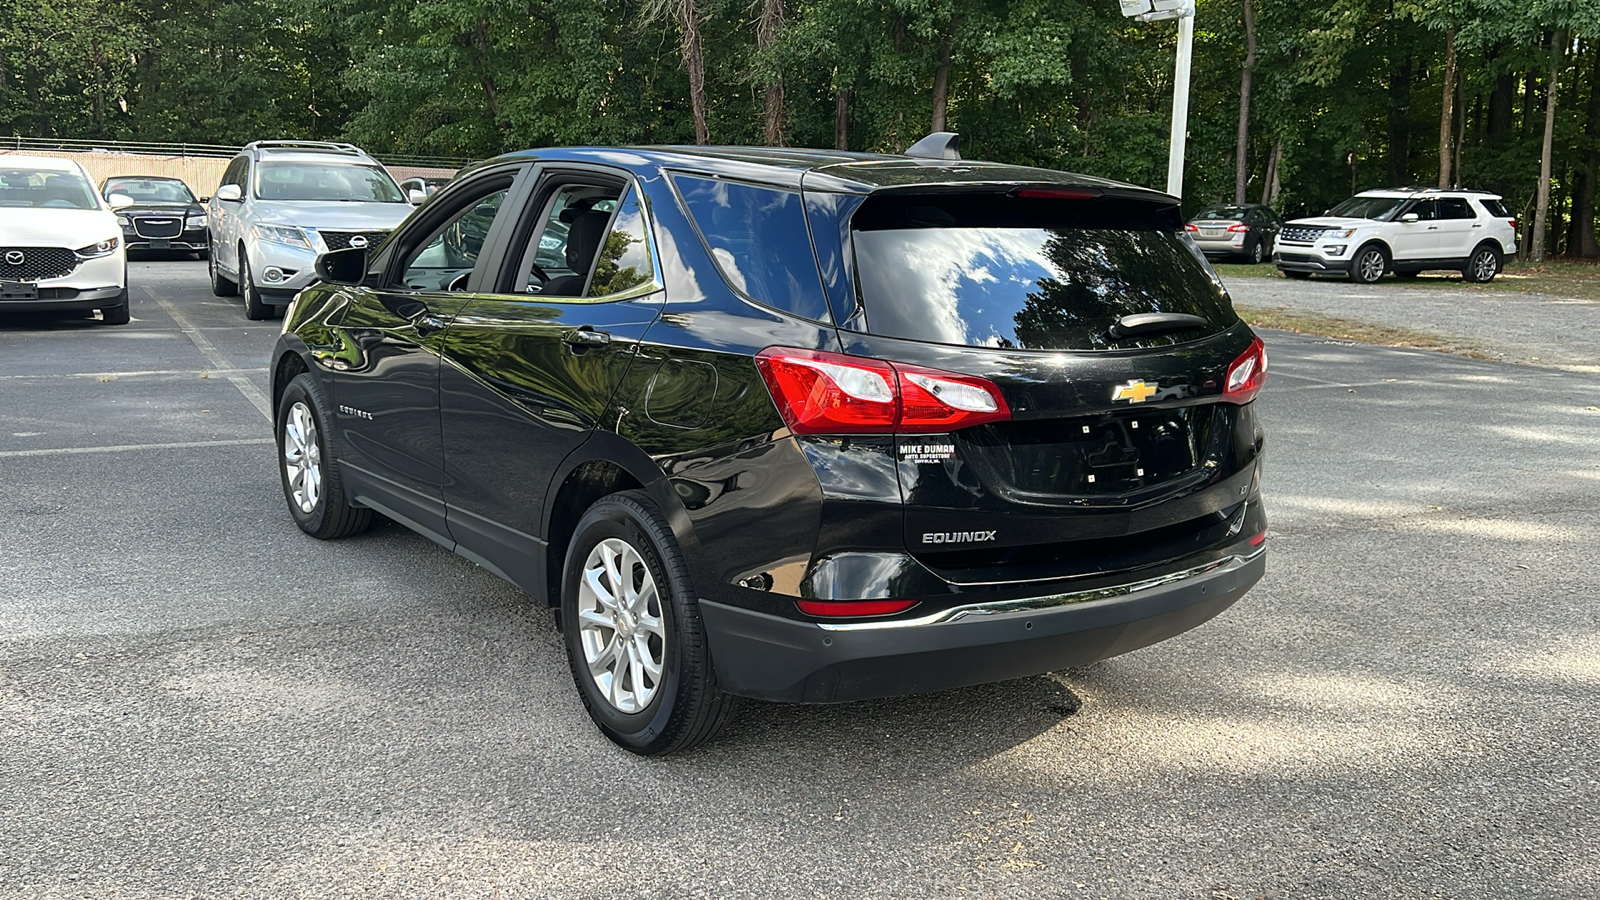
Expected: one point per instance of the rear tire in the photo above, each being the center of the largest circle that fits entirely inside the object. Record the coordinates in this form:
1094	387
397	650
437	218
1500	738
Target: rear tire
633	631
1255	252
308	468
254	309
1369	264
220	286
1482	265
116	315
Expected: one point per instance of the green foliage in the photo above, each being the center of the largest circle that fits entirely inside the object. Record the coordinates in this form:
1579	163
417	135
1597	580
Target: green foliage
1349	89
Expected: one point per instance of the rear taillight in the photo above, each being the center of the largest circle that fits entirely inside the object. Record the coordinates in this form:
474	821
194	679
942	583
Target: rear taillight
1247	374
843	608
1239	229
1191	227
830	393
1513	224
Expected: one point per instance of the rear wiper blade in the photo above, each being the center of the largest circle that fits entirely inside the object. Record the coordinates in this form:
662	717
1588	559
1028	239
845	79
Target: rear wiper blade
1154	323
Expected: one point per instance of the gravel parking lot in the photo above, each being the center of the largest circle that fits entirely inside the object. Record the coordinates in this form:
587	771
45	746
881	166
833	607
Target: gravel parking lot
196	700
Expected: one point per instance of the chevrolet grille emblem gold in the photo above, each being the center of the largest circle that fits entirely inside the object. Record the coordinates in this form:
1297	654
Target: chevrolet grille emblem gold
1134	391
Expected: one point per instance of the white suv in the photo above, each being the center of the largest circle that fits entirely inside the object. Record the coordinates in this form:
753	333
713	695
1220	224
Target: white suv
60	246
1402	231
283	202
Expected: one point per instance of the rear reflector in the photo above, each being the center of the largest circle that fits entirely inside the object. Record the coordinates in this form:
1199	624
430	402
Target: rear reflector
1247	374
1259	539
818	392
845	608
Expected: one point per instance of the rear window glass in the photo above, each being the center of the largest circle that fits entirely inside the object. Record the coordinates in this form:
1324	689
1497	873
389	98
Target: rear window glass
759	239
1231	213
1000	272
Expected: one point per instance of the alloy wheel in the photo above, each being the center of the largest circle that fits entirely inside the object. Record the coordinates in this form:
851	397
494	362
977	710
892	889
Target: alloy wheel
302	458
620	625
1370	265
1483	266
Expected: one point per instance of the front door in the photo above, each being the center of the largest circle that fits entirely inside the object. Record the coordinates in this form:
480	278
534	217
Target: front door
531	369
1416	240
386	380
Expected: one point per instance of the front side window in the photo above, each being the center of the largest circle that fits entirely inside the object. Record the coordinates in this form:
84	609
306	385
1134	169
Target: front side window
1013	274
318	181
759	239
1381	209
45	189
443	263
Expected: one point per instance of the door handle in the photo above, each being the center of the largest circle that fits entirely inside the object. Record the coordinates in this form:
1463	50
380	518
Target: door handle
1433	228
428	323
585	336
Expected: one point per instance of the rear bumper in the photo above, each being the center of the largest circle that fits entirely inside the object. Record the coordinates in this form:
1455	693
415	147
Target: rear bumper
772	658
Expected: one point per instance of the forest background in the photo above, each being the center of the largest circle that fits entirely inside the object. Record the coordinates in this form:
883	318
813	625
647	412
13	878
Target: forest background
1295	104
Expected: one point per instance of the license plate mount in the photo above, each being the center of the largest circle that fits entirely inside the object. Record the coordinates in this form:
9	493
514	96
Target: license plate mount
160	243
18	290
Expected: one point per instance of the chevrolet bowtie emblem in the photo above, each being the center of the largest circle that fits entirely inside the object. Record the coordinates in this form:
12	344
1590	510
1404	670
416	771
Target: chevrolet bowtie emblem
1135	391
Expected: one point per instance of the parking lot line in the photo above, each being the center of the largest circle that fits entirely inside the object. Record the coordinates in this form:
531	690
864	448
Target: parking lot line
210	352
200	373
124	448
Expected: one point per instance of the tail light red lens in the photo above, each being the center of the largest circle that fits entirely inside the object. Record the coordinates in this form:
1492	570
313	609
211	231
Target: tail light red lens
830	393
835	609
1246	374
1239	229
1513	224
1191	227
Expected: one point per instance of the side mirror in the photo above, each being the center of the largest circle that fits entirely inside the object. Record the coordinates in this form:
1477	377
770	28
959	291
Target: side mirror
119	201
1409	218
347	266
229	193
417	196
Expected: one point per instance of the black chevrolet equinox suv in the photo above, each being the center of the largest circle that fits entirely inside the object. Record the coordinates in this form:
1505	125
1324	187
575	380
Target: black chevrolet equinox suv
798	425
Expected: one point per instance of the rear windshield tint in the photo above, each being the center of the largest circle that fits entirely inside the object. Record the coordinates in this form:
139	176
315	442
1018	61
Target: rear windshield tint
996	271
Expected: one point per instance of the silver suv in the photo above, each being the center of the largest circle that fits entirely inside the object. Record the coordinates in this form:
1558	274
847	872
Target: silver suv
283	202
1403	231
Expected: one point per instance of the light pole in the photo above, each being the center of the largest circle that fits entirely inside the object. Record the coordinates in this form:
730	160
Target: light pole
1183	11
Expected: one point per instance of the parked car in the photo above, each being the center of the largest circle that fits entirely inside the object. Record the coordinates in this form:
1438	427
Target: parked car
1404	231
60	246
805	426
1241	231
419	188
165	214
283	202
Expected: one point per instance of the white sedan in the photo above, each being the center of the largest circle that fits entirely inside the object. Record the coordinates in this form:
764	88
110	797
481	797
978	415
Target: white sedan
60	245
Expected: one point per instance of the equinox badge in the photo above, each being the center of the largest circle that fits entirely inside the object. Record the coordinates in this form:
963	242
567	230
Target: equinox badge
1135	391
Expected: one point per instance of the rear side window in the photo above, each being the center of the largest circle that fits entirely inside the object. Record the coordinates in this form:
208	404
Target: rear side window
1496	209
1009	273
759	239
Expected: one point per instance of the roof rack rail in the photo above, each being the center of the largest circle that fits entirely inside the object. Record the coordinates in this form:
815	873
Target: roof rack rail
321	146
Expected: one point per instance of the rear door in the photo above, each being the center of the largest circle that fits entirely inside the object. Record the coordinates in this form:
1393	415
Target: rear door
386	382
1459	228
532	366
1115	430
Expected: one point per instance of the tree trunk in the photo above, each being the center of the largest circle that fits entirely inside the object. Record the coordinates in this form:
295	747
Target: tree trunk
695	61
1272	183
768	29
1241	160
841	120
1447	107
1461	126
491	101
1582	240
1542	210
941	77
1501	101
1399	128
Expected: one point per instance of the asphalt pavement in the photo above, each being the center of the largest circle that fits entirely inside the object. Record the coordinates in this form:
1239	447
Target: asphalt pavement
196	700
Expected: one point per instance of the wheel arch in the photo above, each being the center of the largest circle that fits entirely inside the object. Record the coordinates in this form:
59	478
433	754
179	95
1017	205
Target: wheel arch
288	366
605	464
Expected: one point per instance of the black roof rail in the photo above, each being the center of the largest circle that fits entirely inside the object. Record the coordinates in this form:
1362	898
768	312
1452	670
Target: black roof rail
939	145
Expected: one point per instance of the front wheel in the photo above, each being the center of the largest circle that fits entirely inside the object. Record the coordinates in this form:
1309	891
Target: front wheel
633	631
311	481
1482	265
254	308
1369	264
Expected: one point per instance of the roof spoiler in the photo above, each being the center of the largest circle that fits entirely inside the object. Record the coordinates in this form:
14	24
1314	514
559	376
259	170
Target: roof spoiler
939	145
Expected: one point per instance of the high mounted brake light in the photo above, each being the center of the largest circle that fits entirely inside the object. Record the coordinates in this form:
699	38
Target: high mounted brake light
1064	193
831	393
